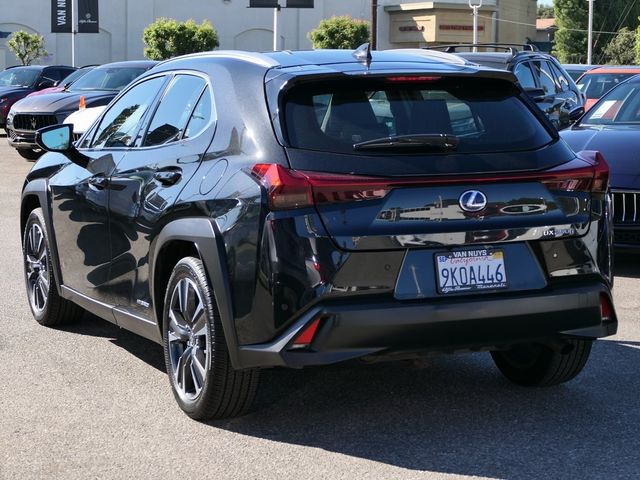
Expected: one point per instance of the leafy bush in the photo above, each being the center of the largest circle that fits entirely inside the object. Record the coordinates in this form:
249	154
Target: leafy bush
166	38
26	46
340	32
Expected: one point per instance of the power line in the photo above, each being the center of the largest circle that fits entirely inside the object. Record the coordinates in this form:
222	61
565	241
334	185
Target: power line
534	25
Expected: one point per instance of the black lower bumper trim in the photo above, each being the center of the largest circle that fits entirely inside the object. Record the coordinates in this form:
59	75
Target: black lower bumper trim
351	330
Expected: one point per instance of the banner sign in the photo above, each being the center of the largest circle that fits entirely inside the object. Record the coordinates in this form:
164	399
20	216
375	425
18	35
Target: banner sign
60	16
275	3
299	3
88	16
263	3
88	20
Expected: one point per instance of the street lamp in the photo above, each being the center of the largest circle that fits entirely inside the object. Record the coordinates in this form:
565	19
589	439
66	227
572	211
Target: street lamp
475	5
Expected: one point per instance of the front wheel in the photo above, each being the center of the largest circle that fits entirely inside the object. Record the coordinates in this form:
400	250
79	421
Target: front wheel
203	381
539	365
47	306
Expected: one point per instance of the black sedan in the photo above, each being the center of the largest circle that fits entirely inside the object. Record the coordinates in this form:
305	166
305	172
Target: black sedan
96	88
18	82
612	126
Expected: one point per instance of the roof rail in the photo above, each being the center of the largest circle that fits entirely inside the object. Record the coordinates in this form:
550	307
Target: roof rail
512	48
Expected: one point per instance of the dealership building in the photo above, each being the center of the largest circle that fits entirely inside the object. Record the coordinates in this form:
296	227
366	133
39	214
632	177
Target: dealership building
120	24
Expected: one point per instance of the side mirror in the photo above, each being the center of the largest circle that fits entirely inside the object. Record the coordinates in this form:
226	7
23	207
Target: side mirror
537	94
59	138
575	114
45	84
56	138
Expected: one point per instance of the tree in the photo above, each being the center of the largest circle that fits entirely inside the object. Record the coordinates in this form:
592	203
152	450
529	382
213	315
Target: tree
545	11
166	38
622	48
572	21
340	32
26	46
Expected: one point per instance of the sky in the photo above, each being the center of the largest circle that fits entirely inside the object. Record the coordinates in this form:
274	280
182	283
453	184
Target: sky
545	2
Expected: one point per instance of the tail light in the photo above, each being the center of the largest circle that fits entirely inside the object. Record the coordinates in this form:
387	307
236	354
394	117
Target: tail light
606	309
289	189
590	179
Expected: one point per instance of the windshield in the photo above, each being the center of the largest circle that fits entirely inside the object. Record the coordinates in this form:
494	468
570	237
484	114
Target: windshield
111	79
18	77
484	115
76	75
620	106
596	85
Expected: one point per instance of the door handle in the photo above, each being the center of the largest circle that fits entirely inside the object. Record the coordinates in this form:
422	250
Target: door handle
99	181
168	177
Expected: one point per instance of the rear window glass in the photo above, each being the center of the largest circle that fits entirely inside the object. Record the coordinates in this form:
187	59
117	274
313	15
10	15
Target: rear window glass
596	85
484	115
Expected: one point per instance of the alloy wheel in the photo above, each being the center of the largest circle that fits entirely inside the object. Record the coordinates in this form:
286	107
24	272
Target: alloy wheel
37	268
188	340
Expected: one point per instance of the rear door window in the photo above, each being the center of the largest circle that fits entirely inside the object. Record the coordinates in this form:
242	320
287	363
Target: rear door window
484	115
545	77
525	75
174	111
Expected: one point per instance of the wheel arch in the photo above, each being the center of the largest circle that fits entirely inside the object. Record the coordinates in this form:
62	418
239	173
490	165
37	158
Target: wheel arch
198	237
34	195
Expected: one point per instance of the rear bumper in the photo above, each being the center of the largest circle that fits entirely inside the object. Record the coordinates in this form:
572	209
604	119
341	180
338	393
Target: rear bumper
354	329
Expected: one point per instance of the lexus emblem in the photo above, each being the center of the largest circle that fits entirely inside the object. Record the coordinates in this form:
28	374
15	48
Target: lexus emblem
34	123
472	201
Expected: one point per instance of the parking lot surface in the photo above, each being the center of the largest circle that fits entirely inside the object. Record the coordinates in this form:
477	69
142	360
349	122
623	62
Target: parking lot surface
93	401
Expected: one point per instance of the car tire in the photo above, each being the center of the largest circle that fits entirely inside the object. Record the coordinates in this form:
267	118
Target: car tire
47	307
203	381
538	365
29	154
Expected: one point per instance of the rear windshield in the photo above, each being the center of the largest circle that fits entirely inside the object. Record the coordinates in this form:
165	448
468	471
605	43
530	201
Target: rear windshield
484	115
595	85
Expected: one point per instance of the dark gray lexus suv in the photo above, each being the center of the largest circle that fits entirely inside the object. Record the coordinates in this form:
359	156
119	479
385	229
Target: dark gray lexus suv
289	209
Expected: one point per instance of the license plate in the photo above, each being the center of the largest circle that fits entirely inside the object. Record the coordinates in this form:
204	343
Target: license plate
470	270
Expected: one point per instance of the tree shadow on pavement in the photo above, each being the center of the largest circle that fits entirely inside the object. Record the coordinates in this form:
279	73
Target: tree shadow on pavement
460	416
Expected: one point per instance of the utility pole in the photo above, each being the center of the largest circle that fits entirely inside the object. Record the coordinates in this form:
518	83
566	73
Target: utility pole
374	24
74	31
475	5
276	11
590	33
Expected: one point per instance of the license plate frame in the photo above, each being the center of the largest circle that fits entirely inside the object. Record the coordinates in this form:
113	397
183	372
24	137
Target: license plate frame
470	271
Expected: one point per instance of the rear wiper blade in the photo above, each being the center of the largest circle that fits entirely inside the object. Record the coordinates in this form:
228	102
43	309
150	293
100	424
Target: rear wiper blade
427	141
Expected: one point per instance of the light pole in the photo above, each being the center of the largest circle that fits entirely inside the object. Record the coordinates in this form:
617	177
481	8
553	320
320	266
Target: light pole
276	11
475	5
590	33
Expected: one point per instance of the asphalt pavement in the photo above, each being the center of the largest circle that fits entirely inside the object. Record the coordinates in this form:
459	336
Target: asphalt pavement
93	401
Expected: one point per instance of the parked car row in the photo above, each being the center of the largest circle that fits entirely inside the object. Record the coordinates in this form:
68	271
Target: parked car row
90	87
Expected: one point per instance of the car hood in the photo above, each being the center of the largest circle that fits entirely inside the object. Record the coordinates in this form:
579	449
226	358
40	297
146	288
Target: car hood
620	147
61	102
13	90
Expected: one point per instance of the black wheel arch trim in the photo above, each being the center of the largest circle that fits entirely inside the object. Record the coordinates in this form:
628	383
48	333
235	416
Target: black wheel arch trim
39	188
205	235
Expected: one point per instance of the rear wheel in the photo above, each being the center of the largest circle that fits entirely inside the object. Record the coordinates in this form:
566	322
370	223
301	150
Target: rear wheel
204	382
29	154
47	306
538	365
